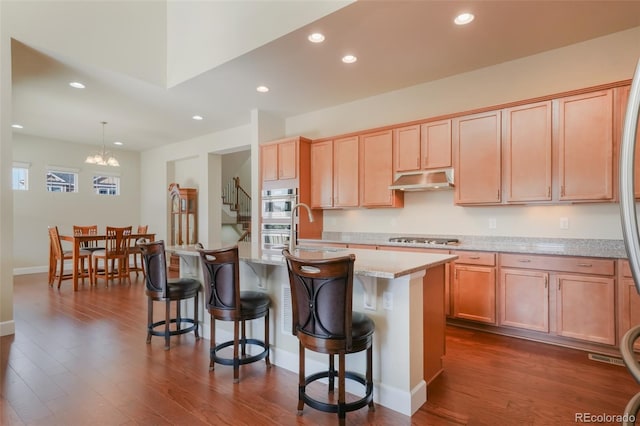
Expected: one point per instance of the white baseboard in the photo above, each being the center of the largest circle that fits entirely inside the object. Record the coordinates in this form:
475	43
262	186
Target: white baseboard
7	328
30	270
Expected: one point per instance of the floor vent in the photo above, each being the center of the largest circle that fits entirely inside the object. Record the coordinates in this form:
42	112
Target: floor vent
607	359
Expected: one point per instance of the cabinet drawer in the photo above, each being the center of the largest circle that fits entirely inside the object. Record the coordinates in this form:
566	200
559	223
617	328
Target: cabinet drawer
582	265
476	258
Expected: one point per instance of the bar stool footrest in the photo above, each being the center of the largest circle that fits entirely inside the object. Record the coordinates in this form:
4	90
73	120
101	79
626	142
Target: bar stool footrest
242	359
192	327
333	408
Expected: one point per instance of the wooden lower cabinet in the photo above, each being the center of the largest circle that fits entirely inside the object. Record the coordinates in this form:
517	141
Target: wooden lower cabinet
585	308
628	301
474	287
571	297
524	299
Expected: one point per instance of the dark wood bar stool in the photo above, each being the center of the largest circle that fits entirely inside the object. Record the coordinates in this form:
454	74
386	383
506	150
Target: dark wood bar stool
225	302
159	288
323	320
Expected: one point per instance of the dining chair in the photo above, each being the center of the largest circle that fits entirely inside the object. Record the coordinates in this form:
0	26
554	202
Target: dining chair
135	252
79	230
114	256
58	257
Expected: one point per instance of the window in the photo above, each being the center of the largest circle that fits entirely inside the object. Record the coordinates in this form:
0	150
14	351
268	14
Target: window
20	176
106	185
61	180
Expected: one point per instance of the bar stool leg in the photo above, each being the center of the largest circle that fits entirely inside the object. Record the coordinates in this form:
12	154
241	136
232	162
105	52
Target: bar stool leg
212	337
331	373
166	325
236	360
301	377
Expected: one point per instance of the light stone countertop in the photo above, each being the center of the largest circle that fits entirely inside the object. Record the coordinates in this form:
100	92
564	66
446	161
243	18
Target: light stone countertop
372	263
551	246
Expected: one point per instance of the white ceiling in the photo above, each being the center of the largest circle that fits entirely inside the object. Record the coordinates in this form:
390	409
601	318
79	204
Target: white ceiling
150	65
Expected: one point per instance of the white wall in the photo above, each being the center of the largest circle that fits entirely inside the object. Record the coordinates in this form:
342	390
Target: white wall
167	164
598	61
7	324
35	209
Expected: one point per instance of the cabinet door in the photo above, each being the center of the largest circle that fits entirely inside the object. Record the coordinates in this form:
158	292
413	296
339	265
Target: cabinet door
322	174
629	307
527	152
269	162
435	144
287	160
346	172
406	148
524	299
621	106
476	141
376	169
586	309
585	146
474	293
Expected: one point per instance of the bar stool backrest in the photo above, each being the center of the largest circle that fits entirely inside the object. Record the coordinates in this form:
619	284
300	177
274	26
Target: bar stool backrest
155	263
322	297
222	280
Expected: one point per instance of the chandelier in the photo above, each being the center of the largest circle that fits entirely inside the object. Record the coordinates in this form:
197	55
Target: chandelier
104	157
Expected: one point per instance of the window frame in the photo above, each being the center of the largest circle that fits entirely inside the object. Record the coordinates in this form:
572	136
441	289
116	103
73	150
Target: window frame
97	189
53	170
19	165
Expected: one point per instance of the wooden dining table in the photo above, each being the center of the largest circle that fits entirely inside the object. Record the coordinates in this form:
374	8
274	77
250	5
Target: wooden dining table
78	240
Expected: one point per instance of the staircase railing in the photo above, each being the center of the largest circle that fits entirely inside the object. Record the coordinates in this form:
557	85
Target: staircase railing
239	201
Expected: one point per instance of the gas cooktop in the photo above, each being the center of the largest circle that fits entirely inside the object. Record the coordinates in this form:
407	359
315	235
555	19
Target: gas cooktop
426	240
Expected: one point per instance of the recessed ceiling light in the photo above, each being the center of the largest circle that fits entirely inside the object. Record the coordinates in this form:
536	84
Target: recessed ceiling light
316	38
464	18
118	143
77	85
262	89
17	126
349	59
198	117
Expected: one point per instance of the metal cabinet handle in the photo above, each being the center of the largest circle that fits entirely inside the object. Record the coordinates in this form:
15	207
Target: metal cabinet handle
524	260
585	265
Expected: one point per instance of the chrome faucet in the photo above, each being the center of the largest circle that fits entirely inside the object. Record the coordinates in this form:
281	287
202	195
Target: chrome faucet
292	232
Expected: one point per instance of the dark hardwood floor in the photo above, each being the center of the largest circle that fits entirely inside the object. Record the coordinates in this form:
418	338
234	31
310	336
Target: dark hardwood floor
81	359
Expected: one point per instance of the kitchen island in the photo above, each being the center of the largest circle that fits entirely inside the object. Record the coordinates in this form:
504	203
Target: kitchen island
402	292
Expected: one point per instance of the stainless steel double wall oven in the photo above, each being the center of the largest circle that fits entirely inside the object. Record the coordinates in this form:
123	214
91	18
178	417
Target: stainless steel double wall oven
276	210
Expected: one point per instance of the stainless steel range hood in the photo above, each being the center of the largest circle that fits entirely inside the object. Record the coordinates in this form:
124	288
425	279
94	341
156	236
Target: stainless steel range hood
424	180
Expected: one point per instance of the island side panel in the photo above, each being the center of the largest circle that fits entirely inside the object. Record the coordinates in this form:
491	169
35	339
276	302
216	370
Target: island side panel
434	320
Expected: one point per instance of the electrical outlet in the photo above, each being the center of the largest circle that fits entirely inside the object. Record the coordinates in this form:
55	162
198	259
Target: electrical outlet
387	300
492	223
564	223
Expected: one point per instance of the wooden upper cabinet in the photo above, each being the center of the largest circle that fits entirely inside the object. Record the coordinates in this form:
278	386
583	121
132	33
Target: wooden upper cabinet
622	98
406	148
585	146
322	174
279	160
435	144
476	143
527	152
376	171
346	172
287	159
423	146
269	162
